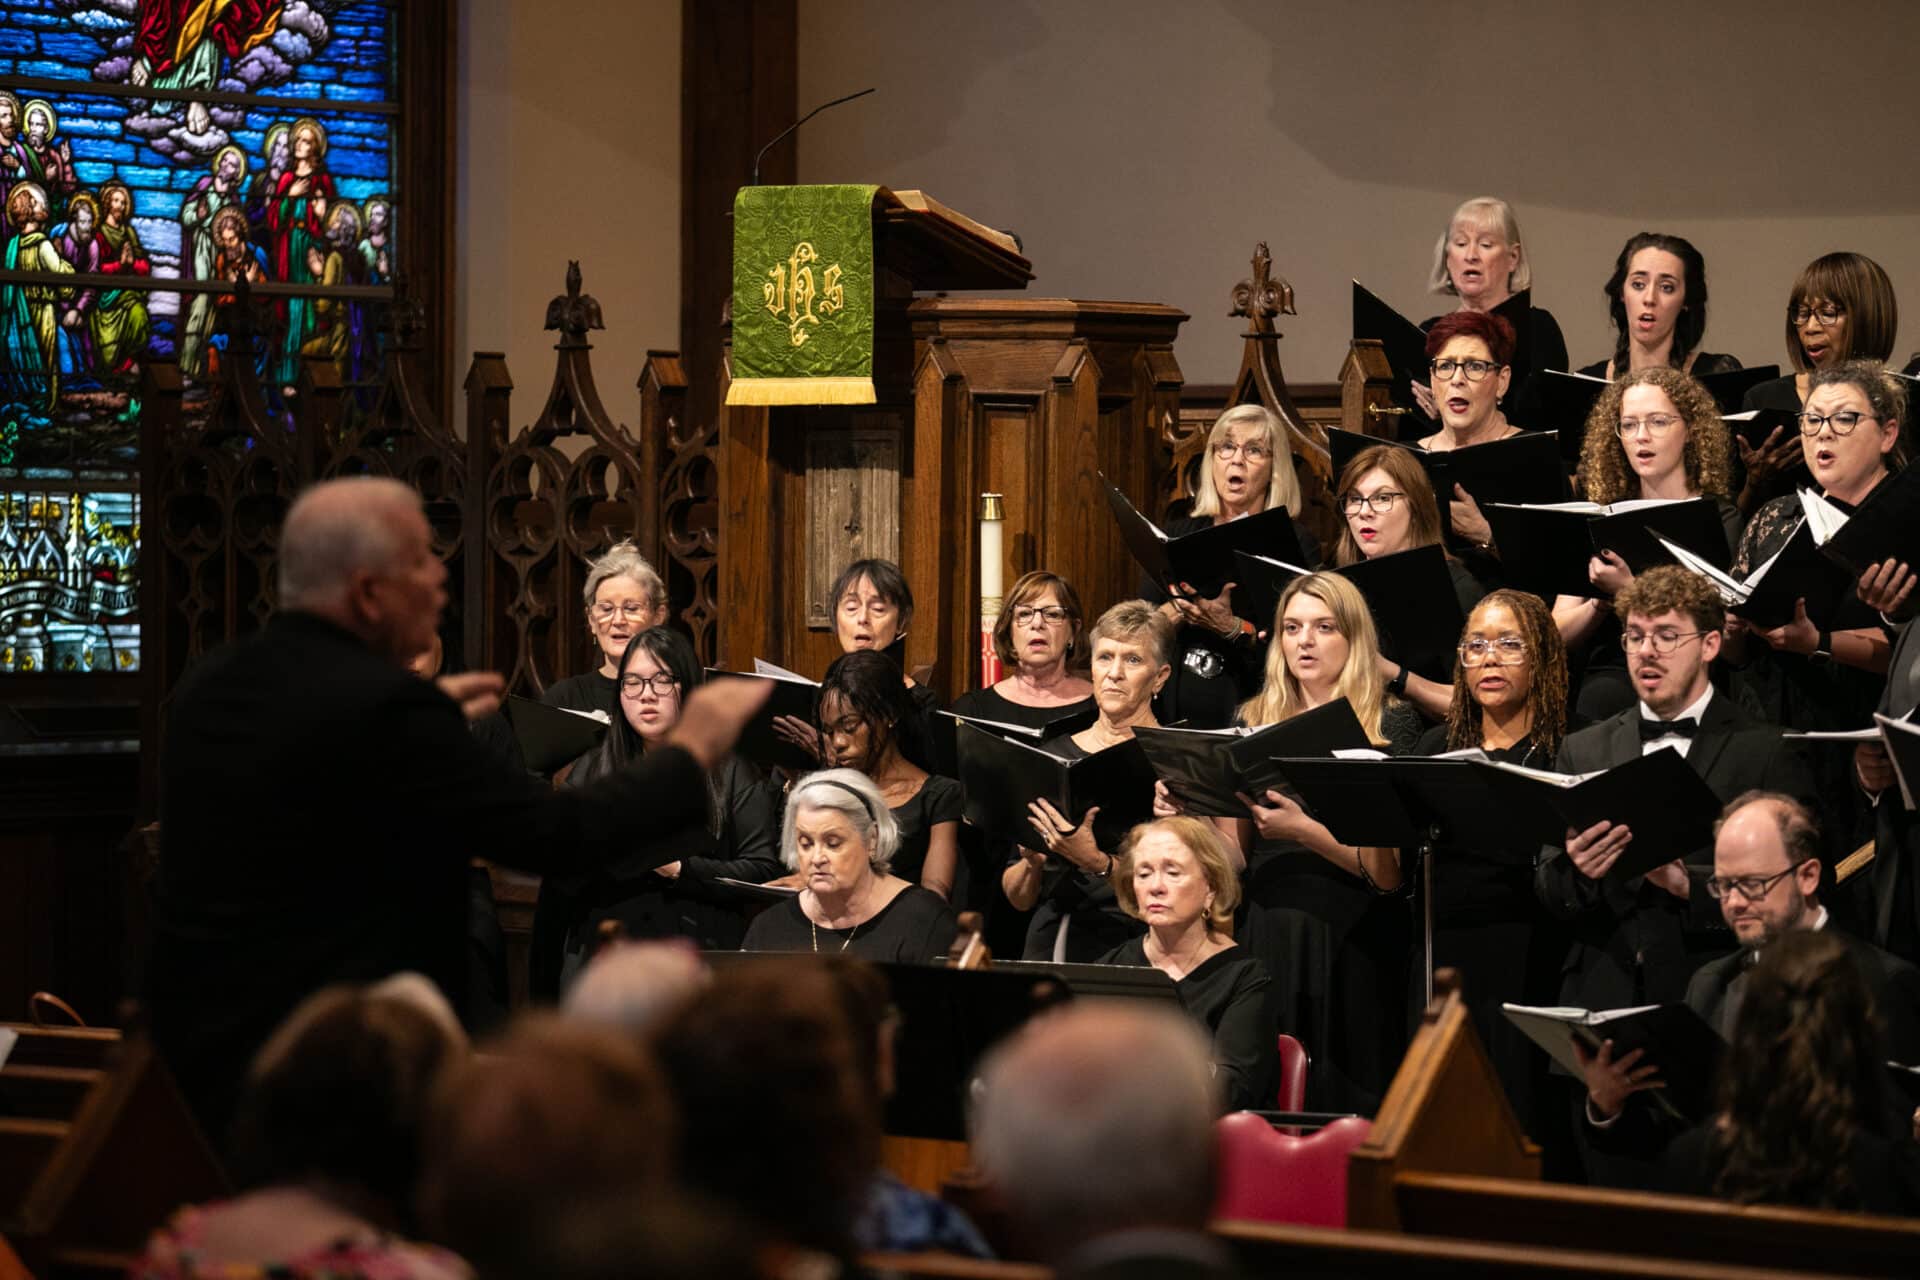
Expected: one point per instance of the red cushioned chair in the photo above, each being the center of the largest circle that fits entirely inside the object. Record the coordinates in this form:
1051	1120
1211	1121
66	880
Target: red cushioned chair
1269	1176
1293	1075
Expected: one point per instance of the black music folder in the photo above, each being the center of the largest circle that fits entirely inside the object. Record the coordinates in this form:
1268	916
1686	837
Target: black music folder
1766	596
1729	388
1259	581
1669	808
1522	468
1402	341
1673	1036
1002	777
1545	548
1755	425
1565	401
942	727
1204	558
793	695
1204	768
1885	526
1404	800
550	737
1409	593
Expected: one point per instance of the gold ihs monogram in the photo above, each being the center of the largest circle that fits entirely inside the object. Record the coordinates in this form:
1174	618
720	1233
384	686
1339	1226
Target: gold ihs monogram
791	294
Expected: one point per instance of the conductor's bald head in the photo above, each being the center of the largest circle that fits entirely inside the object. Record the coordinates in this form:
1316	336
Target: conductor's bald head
1099	1119
359	553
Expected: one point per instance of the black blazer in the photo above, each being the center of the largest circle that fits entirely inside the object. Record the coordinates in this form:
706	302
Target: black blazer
1895	985
1635	943
319	809
1891	880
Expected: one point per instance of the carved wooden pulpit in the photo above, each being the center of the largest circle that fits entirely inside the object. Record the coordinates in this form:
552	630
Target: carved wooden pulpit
1030	398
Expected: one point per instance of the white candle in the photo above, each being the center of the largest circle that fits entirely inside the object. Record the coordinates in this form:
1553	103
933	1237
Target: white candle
992	582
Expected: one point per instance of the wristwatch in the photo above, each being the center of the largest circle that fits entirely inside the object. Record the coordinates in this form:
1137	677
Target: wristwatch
1398	685
1823	646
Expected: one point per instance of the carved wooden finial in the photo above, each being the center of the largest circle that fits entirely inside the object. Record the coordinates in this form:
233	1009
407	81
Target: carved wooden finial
1262	297
573	313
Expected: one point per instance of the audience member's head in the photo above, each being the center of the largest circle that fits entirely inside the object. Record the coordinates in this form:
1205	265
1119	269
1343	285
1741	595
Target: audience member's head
1803	1075
1095	1120
358	552
337	1098
1766	866
780	1120
635	986
553	1114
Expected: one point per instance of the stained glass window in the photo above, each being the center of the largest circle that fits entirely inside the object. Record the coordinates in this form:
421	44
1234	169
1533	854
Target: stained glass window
147	145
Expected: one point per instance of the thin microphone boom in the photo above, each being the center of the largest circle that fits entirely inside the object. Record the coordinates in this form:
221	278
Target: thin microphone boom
795	125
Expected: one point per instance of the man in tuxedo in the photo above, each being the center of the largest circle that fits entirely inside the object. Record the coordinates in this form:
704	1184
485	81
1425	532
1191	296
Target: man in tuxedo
320	803
1766	876
1105	1173
1891	909
1639	941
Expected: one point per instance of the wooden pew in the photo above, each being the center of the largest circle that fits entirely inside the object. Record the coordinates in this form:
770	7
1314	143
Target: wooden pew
1446	1158
96	1149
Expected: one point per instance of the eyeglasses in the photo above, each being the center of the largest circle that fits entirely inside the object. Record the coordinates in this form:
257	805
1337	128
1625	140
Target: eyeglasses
1025	616
1226	451
1825	313
1662	642
1657	423
1474	370
661	683
1503	652
1842	422
631	610
1752	888
1382	502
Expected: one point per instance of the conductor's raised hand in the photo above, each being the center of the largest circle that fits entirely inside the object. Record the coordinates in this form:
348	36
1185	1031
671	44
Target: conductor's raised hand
478	693
1595	850
1611	1083
714	714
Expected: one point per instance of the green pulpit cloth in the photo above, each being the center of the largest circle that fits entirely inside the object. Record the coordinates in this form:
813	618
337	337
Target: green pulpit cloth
803	295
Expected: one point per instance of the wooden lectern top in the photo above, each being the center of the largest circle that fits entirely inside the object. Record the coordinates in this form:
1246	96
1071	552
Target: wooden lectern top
938	248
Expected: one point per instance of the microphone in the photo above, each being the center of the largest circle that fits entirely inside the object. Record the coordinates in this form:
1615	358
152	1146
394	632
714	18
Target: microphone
795	125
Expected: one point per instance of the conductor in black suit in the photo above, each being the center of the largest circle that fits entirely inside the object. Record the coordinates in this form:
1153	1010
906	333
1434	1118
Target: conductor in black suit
1639	941
320	804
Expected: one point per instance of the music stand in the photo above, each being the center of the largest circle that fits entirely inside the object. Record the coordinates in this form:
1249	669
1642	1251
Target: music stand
1408	802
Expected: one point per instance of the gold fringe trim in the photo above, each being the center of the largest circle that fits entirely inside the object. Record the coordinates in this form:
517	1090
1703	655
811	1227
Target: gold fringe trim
770	391
1853	863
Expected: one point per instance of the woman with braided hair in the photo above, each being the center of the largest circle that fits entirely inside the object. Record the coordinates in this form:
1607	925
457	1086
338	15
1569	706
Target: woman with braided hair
1510	701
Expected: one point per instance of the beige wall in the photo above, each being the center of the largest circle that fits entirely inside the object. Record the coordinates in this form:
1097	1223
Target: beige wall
1141	147
569	147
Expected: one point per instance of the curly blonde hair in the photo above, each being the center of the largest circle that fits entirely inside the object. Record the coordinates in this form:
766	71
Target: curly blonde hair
1708	457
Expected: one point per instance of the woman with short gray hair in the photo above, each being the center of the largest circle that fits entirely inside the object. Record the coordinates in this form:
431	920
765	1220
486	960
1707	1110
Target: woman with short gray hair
839	838
624	595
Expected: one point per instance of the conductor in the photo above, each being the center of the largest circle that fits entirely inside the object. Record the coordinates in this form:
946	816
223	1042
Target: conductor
320	804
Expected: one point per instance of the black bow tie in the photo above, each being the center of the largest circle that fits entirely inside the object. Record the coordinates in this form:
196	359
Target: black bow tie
1652	729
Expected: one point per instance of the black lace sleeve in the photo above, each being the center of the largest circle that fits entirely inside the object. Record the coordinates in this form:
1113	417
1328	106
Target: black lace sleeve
1766	533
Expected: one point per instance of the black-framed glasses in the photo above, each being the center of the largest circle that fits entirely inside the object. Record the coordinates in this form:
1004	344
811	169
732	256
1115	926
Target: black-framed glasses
1474	370
1505	651
1026	615
1752	888
1382	502
660	682
1656	423
1663	643
631	610
1843	422
1825	313
1253	451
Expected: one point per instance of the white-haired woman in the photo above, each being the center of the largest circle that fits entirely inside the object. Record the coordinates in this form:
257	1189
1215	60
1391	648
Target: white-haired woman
1480	261
839	837
624	596
1247	469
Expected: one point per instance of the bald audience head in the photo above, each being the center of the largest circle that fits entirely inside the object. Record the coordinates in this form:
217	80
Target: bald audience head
358	552
1096	1120
1766	866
